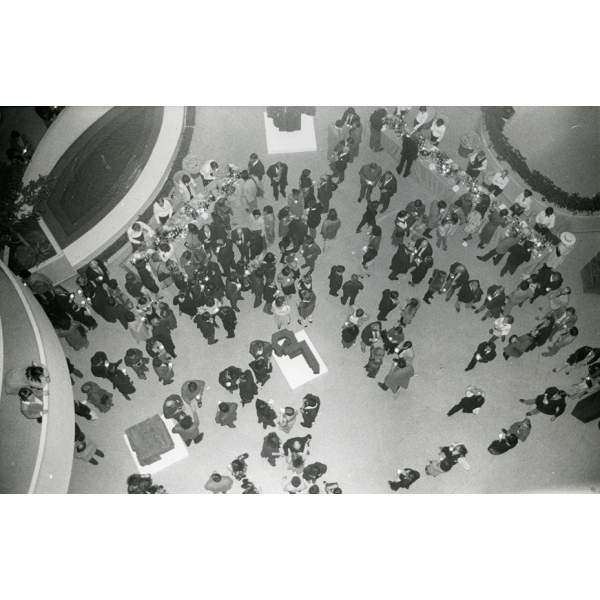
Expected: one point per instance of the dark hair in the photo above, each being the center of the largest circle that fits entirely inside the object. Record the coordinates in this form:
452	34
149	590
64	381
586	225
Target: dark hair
527	193
297	461
574	331
332	214
215	477
185	178
401	362
223	407
442	204
314	489
524	284
549	211
376	230
254	155
34	373
214	164
268	209
422	108
439	122
295	481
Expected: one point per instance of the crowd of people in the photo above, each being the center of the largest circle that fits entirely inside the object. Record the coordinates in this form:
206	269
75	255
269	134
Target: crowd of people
271	258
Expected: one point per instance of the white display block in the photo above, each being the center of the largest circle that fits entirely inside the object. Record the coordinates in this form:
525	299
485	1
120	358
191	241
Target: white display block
296	370
179	452
288	142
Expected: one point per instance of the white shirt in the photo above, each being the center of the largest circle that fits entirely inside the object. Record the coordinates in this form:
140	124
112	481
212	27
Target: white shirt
501	327
545	220
524	202
500	180
134	236
438	131
166	210
206	171
420	119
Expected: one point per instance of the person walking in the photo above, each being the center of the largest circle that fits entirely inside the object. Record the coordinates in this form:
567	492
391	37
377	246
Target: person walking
486	352
471	402
368	217
551	402
399	376
449	457
564	339
405	478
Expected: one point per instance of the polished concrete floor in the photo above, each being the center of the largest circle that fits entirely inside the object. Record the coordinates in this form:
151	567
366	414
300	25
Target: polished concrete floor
362	433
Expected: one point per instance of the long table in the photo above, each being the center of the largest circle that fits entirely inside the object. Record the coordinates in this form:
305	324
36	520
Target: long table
435	183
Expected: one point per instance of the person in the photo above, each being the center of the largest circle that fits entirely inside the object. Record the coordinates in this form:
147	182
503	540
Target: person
486	352
249	192
371	335
269	225
493	302
376	121
496	218
522	204
505	442
311	405
471	402
350	332
271	449
262	368
370	174
287	418
208	171
102	367
97	397
339	158
388	185
476	164
255	167
135	360
436	284
229	378
226	414
524	291
407	314
469	293
457	277
350	289
192	391
188	427
330	226
218	484
389	300
545	220
438	131
372	247
31	404
206	325
306	307
85	448
314	471
143	484
336	279
140	235
247	387
501	327
551	402
408	155
518	345
162	210
332	487
401	262
437	212
325	190
583	356
265	414
499	182
473	224
420	271
503	246
406	477
449	456
564	339
310	253
277	173
399	375
368	217
546	280
163	367
282	312
420	118
294	485
518	254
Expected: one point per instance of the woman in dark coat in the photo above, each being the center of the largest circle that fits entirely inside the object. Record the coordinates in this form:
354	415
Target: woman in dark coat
266	415
505	442
135	360
145	274
262	368
97	273
206	326
97	396
102	367
271	449
310	409
229	320
494	302
336	279
104	305
185	301
419	272
133	285
248	389
457	277
469	293
350	332
400	262
229	377
389	301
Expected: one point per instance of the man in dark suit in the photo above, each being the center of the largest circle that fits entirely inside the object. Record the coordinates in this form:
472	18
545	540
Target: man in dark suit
225	256
369	176
388	185
410	151
255	167
376	121
277	173
325	191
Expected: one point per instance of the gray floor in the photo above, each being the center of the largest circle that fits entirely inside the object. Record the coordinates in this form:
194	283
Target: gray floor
362	433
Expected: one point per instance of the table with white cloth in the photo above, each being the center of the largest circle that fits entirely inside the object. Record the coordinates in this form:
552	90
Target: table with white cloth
424	171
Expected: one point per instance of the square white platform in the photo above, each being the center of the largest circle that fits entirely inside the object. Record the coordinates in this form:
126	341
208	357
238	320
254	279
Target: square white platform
179	452
288	142
296	370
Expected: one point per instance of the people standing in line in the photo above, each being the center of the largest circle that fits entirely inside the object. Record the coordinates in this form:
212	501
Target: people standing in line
408	155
